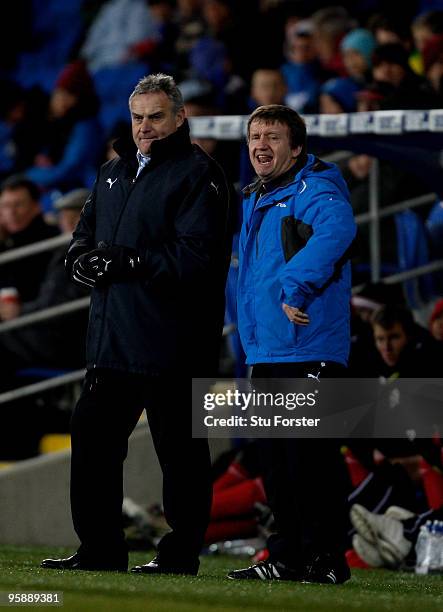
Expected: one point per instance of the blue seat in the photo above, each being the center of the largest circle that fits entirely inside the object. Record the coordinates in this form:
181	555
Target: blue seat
413	251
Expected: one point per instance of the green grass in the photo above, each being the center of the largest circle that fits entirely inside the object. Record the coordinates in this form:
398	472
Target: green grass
368	591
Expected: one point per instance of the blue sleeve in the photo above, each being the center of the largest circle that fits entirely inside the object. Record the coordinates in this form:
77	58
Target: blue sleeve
313	266
80	151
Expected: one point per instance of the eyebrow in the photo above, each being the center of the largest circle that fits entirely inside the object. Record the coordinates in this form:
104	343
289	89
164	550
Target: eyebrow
158	113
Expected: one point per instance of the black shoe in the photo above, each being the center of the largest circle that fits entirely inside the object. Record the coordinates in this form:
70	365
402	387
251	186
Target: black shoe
265	570
327	569
76	562
156	566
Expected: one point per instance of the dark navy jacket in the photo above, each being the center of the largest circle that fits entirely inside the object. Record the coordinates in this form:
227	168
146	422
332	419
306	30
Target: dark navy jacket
175	214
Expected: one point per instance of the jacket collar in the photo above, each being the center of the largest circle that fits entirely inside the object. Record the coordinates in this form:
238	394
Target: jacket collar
161	149
280	181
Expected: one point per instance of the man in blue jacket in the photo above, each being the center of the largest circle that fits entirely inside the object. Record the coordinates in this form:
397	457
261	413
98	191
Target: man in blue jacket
293	312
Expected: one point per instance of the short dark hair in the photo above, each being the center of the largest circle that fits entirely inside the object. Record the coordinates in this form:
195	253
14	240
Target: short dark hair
156	83
388	316
277	113
19	181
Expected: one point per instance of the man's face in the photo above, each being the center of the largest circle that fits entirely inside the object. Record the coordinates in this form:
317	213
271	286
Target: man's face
153	117
268	87
270	149
387	72
390	342
17	209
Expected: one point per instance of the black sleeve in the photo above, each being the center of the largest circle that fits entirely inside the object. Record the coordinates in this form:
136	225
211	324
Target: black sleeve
83	238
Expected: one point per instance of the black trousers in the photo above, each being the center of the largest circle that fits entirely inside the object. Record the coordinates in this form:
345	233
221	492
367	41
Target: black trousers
107	411
305	482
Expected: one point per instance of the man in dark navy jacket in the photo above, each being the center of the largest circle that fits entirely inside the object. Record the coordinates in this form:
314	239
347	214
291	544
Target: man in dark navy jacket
153	244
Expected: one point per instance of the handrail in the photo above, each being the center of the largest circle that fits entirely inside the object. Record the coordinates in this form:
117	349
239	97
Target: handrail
46	313
399	277
44	385
427	198
35	247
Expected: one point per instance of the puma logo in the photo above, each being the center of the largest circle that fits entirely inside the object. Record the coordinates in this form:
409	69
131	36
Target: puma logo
110	182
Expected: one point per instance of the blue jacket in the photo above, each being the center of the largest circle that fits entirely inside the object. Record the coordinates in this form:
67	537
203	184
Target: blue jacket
294	247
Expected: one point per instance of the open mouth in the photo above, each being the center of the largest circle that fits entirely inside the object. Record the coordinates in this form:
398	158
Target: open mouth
264	160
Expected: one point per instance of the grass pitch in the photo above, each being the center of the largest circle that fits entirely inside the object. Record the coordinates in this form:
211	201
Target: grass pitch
368	591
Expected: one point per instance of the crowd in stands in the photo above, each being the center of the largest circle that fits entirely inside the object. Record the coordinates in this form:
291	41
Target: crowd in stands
65	84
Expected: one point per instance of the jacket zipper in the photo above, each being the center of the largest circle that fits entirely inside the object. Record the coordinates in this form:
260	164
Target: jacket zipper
105	300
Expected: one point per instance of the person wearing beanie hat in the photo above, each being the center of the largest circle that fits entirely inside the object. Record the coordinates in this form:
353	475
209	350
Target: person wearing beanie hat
339	96
357	48
436	321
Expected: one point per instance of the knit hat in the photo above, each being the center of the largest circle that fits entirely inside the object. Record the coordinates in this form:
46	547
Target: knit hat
432	51
437	311
360	40
392	53
76	79
343	91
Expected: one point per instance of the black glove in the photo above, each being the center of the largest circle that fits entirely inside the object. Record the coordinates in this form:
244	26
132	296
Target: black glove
81	274
74	266
108	264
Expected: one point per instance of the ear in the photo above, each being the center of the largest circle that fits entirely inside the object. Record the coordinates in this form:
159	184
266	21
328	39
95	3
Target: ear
296	152
180	117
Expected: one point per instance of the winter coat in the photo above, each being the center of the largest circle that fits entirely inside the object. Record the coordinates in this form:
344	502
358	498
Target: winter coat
175	214
294	250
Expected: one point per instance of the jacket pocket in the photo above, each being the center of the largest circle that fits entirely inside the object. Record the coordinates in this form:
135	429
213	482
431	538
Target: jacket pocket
294	236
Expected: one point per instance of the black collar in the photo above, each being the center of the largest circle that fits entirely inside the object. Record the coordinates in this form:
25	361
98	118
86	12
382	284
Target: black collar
280	181
161	149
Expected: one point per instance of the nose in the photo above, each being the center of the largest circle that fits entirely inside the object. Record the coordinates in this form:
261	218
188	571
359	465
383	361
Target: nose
146	125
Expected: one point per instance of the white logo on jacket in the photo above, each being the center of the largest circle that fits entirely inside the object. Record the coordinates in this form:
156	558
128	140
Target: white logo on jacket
110	182
281	205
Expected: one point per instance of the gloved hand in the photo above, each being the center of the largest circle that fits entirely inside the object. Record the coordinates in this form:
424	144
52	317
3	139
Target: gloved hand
81	274
73	266
107	265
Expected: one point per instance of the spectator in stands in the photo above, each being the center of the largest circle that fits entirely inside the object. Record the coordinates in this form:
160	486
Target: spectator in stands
356	49
20	126
22	220
159	51
294	323
119	25
424	27
267	87
302	71
59	342
330	25
158	217
191	27
436	321
339	96
433	66
71	143
391	65
404	348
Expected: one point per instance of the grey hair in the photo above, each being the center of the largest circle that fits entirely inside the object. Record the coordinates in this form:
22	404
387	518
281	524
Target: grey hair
155	83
